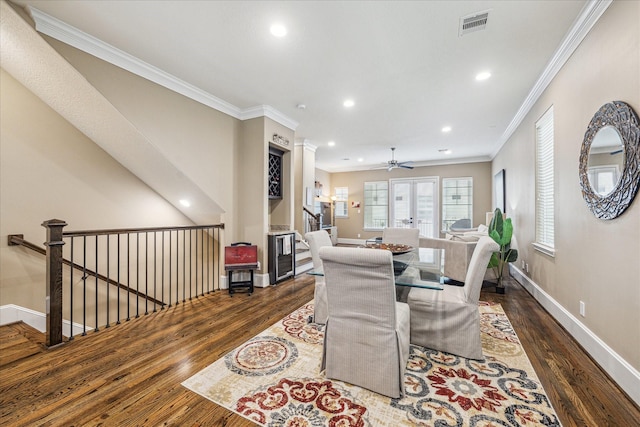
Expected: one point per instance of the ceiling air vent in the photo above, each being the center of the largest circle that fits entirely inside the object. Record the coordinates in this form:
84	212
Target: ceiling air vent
475	22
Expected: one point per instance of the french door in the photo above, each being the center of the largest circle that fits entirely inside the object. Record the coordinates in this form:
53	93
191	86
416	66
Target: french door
414	204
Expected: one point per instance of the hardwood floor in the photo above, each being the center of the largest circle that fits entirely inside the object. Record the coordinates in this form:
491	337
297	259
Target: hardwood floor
131	374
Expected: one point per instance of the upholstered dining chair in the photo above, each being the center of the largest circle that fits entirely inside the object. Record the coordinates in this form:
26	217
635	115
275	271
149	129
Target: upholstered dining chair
449	320
366	341
317	240
403	236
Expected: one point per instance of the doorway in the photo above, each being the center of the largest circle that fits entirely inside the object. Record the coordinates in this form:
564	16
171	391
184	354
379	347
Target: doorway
414	204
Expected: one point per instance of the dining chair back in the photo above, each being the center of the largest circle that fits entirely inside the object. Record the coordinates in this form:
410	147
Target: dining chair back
403	236
366	339
449	320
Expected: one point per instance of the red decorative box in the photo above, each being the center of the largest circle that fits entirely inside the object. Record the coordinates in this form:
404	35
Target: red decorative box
238	257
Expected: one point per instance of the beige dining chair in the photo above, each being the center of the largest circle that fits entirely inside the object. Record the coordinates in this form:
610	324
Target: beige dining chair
402	236
449	320
366	341
317	240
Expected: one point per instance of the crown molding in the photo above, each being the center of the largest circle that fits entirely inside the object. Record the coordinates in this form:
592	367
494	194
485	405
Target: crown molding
306	144
270	112
72	36
590	14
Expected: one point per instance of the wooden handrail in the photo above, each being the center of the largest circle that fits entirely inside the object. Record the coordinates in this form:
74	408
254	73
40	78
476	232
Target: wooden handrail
138	230
189	267
316	216
18	240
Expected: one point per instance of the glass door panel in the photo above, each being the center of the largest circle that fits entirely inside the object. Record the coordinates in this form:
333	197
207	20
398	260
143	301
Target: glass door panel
401	200
413	204
425	196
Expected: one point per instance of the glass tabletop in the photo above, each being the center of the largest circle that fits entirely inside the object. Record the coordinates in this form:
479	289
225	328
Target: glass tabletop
418	268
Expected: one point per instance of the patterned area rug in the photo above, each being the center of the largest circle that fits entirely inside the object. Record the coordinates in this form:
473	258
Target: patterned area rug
274	380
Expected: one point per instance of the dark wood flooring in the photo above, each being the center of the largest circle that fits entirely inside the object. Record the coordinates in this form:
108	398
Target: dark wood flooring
130	374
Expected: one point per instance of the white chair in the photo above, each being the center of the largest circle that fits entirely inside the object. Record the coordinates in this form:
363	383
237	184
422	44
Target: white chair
317	240
366	341
402	236
461	225
449	320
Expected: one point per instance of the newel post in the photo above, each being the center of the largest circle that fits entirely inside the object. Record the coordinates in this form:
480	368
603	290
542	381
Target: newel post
53	302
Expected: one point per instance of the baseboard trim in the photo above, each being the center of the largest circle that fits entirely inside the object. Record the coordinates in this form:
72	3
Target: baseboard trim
11	313
625	375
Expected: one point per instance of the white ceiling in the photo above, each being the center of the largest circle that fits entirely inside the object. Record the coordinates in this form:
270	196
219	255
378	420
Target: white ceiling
403	63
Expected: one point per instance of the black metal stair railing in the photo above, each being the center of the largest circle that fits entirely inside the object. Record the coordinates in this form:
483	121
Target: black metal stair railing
124	273
313	220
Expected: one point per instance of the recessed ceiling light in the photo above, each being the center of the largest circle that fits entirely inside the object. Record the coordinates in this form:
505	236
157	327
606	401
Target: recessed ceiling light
360	159
349	103
331	143
185	203
446	129
278	30
483	76
445	151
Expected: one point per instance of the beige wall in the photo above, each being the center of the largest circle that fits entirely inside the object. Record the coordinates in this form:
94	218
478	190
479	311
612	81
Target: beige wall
349	228
324	178
596	261
48	169
252	205
197	139
305	163
206	145
280	210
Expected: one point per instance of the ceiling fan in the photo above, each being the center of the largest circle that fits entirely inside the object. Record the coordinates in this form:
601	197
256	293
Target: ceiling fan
393	163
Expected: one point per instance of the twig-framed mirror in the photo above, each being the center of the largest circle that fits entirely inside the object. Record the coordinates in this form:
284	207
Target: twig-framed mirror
610	160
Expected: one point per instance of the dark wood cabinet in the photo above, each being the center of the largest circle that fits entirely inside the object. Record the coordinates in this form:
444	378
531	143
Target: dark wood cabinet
275	173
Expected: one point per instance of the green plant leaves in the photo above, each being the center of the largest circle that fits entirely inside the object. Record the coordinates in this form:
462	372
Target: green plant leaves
501	231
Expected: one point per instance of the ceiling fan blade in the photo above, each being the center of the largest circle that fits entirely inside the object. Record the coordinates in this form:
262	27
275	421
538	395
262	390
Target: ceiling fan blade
405	166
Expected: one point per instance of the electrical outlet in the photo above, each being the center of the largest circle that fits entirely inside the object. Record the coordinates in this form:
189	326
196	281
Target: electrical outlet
523	265
582	309
526	268
358	235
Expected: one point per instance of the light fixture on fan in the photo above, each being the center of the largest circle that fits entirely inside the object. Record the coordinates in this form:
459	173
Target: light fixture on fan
393	163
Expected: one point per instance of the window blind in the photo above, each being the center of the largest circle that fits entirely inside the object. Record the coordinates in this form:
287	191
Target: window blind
457	200
342	196
545	180
376	201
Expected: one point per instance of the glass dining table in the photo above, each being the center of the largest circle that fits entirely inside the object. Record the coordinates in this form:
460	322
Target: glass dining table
417	268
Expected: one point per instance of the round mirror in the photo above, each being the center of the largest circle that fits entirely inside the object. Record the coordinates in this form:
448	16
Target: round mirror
606	160
610	160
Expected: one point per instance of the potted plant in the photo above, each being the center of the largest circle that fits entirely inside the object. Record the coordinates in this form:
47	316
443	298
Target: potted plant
501	231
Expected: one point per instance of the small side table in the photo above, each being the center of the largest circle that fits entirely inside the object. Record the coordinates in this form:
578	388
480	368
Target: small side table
240	284
241	256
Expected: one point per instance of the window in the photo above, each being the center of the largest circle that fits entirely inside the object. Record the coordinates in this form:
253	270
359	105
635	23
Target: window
457	201
376	199
544	184
604	178
342	197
